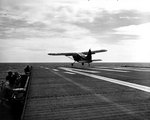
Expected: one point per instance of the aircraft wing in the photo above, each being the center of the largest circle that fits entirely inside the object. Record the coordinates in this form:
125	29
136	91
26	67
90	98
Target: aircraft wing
95	51
66	54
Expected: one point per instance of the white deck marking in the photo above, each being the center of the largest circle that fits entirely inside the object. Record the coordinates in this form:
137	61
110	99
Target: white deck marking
90	71
102	67
109	70
55	70
128	84
41	67
46	68
134	69
69	73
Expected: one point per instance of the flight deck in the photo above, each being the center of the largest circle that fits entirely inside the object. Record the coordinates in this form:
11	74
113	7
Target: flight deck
88	93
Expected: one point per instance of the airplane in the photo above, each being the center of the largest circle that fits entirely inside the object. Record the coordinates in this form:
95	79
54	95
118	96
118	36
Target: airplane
83	57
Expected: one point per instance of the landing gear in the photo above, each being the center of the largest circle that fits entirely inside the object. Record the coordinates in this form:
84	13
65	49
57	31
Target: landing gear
72	64
82	63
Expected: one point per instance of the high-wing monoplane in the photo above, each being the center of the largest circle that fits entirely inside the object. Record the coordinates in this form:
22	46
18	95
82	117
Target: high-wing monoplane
82	57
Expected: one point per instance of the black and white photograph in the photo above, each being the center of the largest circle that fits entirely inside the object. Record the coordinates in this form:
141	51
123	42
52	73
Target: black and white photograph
74	60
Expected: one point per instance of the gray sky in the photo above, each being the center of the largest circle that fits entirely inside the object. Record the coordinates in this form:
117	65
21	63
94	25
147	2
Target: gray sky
29	29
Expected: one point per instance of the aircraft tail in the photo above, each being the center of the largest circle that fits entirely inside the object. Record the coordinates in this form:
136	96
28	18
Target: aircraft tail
89	56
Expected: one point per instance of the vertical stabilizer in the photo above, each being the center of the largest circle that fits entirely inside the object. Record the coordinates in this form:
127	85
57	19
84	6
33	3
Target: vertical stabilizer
89	56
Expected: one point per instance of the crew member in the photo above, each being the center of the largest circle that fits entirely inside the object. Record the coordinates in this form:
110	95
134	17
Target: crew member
27	69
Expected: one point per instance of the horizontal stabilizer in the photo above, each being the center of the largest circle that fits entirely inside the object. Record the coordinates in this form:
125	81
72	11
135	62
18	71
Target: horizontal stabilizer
97	60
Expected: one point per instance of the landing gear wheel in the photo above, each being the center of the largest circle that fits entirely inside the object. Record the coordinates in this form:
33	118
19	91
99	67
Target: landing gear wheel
71	64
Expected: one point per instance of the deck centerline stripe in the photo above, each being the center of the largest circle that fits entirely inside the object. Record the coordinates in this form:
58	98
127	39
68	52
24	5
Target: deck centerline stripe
109	70
69	72
116	81
134	69
90	71
55	70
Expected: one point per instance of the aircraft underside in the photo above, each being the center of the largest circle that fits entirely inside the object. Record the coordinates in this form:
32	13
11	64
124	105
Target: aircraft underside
82	62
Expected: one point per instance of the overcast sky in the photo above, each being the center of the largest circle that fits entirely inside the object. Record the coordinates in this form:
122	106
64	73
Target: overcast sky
29	29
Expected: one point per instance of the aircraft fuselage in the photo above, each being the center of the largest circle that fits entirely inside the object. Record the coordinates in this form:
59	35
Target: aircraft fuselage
81	58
